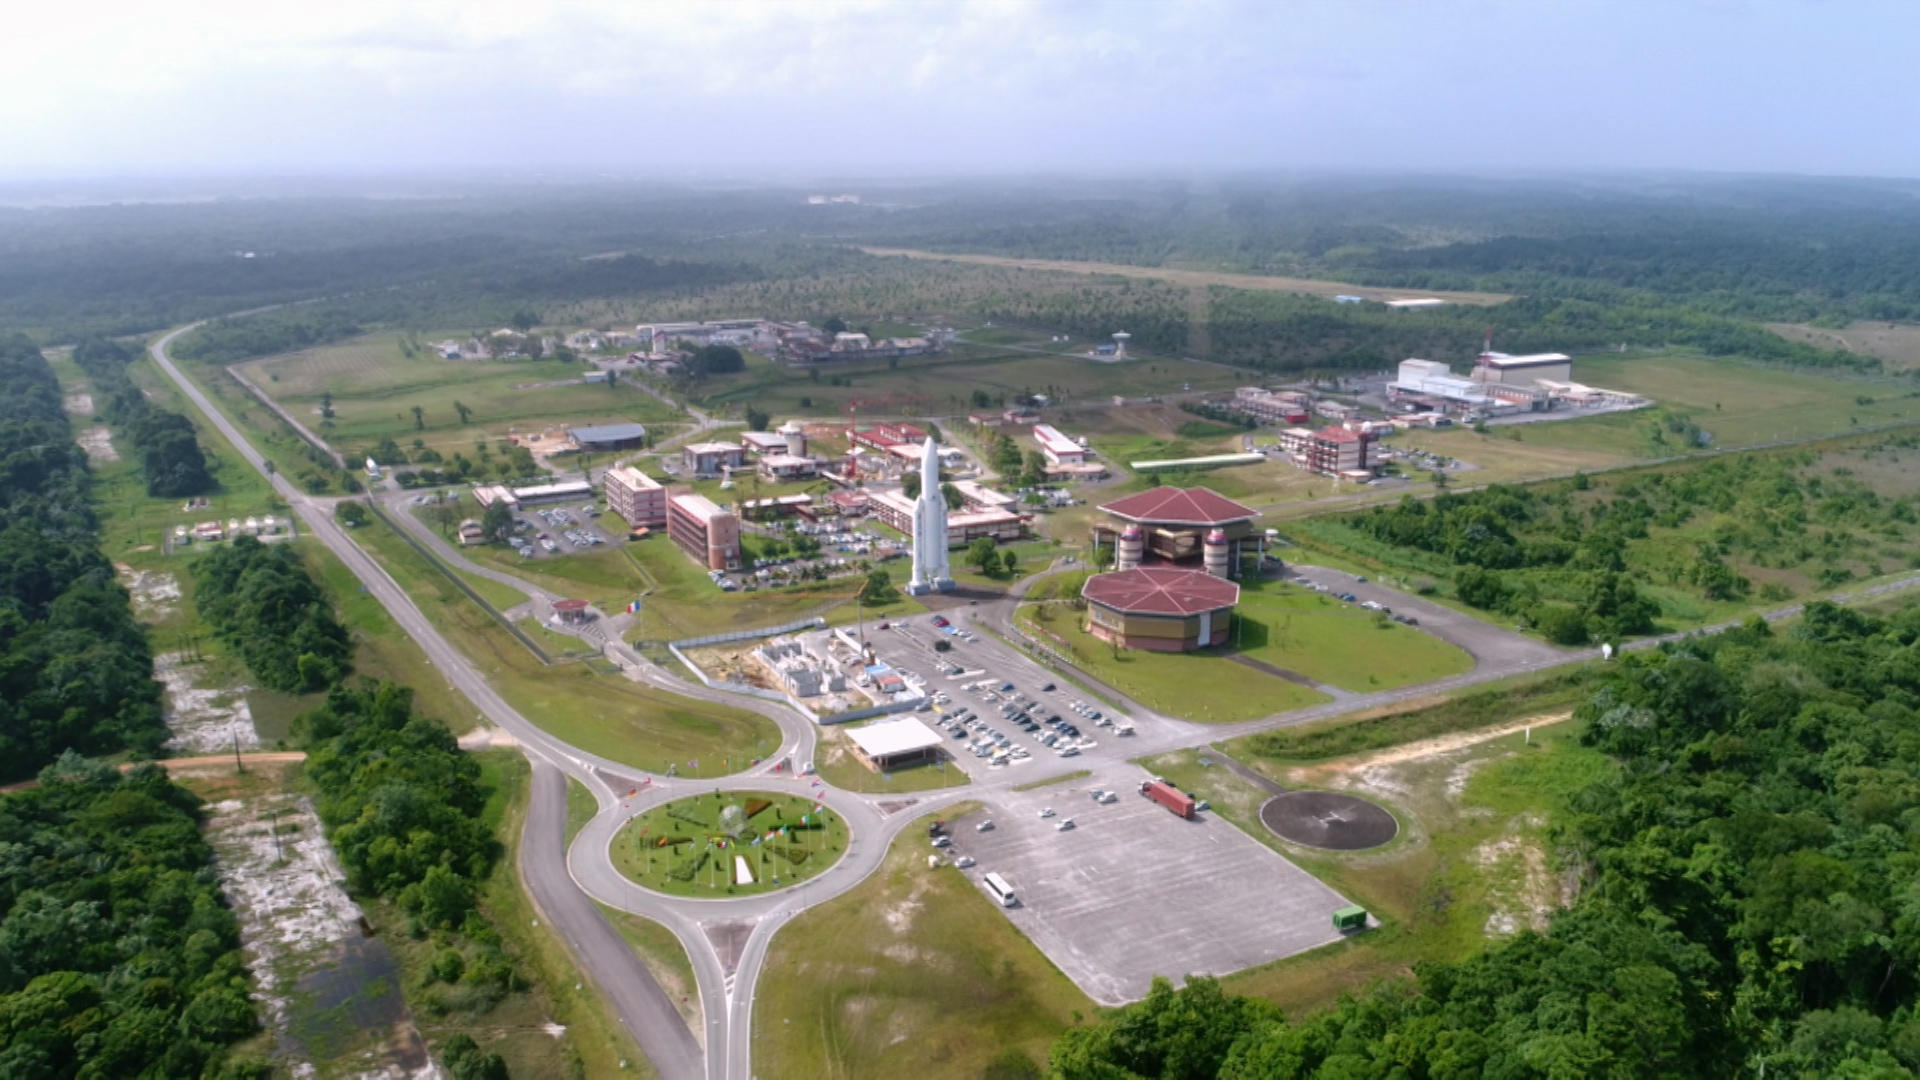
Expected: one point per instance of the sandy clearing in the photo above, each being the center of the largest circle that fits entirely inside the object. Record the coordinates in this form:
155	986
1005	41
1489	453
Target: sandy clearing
1200	278
1441	744
203	719
154	592
98	443
78	404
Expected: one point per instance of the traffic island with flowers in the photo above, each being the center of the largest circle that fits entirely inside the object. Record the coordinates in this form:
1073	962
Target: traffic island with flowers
733	843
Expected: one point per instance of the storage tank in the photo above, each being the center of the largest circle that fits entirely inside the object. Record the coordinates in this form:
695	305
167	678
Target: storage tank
1131	549
1215	553
796	437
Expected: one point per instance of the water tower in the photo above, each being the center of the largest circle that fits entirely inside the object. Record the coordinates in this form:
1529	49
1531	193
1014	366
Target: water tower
1120	344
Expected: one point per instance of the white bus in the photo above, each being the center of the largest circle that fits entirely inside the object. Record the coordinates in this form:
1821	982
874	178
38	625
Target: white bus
998	888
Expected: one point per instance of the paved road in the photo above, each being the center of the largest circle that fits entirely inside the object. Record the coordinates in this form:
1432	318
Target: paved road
726	964
619	971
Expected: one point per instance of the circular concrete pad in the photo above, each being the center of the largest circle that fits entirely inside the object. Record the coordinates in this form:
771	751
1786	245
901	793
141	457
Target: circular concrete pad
1328	819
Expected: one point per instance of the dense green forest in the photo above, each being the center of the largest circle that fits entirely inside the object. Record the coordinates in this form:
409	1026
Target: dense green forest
402	806
76	671
170	457
1285	332
1748	908
1596	261
1595	558
118	957
261	599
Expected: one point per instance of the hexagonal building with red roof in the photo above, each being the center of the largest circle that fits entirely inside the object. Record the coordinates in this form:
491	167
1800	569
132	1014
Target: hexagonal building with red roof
1160	608
1177	521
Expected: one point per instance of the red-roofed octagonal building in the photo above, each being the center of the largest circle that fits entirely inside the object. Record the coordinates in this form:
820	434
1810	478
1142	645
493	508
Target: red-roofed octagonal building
1160	608
1177	521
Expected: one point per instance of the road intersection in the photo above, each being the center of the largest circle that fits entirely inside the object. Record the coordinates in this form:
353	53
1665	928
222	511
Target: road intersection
727	940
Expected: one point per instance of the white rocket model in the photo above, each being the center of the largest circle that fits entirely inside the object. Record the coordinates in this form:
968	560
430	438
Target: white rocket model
930	570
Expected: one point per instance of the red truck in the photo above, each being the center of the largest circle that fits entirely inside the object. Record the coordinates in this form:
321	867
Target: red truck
1168	796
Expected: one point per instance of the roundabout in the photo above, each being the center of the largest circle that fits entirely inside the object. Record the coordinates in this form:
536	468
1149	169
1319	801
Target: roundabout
729	844
1328	820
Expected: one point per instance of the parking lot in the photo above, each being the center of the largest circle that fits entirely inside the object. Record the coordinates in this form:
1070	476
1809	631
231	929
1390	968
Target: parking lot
546	531
1132	891
1002	712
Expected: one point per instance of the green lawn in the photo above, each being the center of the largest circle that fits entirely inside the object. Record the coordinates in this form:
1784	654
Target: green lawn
683	603
375	387
915	972
1205	687
945	383
1336	643
837	765
688	847
1739	403
601	713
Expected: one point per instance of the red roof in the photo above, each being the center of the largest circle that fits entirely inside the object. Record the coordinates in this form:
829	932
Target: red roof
1180	506
569	605
1337	434
1161	590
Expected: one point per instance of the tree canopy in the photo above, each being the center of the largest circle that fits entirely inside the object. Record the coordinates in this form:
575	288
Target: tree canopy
118	956
76	671
261	599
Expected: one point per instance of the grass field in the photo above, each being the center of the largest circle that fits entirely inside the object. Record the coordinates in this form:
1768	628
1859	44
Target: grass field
601	713
1203	687
1740	404
1289	628
688	847
1474	861
1896	345
943	385
375	387
133	523
836	764
1197	278
913	973
1335	643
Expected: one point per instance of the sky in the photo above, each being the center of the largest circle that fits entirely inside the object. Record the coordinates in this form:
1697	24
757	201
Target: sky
780	90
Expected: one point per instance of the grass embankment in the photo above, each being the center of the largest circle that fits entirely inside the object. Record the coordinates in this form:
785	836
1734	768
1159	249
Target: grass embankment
835	762
1205	687
665	958
581	808
605	714
915	972
689	847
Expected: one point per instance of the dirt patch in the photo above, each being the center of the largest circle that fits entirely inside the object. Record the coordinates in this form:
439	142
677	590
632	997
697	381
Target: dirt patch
1433	747
154	593
1530	903
98	443
1895	345
1329	820
203	720
80	404
322	981
487	738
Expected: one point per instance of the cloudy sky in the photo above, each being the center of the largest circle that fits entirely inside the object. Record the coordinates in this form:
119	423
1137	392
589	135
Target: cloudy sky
783	89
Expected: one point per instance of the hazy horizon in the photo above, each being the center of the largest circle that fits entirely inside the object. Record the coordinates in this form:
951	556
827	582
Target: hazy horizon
760	91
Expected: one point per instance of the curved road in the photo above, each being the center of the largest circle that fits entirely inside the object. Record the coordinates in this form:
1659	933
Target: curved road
727	940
